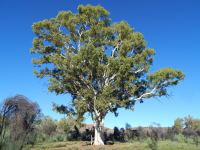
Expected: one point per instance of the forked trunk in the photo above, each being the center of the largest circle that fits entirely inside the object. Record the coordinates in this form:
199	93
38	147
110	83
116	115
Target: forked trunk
98	138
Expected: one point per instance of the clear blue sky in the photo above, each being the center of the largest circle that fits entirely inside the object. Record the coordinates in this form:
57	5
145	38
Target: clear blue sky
171	27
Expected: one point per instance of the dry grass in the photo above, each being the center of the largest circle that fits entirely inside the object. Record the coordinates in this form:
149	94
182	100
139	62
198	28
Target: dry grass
79	145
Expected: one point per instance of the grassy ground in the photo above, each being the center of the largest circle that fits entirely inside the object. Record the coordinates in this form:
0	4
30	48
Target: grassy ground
76	145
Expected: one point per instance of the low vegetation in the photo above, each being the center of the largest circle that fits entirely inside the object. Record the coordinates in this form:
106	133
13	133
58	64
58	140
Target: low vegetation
22	126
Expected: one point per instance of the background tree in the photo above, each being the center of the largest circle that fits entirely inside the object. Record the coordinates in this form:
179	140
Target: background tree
47	126
70	127
6	109
192	123
19	115
178	125
128	126
103	65
116	133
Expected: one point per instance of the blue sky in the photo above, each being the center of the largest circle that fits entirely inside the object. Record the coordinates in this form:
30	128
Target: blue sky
171	27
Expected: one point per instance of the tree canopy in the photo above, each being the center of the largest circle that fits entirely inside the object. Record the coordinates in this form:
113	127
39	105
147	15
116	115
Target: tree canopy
103	65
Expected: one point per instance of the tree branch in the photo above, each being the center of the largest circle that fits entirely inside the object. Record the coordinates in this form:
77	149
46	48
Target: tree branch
79	41
109	79
116	48
139	70
146	94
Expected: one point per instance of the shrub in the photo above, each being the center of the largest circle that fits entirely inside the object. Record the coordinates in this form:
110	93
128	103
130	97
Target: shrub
196	140
153	144
179	138
60	138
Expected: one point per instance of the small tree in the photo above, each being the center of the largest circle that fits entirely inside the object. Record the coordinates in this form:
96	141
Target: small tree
69	126
128	126
103	65
48	126
178	125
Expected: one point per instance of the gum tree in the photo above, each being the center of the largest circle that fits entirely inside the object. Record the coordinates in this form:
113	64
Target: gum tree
103	65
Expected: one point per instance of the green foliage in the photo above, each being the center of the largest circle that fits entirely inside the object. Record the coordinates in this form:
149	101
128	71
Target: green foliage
178	125
153	143
196	140
189	123
179	138
103	65
192	123
48	126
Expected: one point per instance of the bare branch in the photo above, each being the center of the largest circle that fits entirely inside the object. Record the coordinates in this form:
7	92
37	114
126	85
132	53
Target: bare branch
116	48
139	70
113	51
146	94
79	41
109	79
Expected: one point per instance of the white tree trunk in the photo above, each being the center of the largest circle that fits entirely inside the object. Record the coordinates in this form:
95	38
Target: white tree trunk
98	139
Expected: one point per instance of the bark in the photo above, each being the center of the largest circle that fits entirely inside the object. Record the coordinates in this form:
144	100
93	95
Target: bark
98	138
